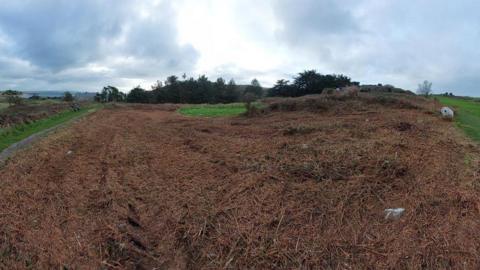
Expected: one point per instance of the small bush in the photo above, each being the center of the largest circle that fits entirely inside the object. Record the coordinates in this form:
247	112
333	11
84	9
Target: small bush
251	110
14	100
68	97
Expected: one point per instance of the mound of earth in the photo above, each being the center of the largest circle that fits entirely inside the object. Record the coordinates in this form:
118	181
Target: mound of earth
144	187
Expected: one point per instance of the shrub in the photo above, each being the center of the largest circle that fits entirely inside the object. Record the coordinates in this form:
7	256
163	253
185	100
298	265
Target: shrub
14	100
68	97
249	98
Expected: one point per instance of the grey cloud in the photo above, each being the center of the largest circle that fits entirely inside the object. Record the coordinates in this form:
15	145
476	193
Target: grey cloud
57	37
58	34
53	44
386	41
309	19
152	47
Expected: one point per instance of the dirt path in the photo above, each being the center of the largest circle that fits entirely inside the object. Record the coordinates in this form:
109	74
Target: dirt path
145	188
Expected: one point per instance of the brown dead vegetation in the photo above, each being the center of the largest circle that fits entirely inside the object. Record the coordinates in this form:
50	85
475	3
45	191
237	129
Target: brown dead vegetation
26	113
301	186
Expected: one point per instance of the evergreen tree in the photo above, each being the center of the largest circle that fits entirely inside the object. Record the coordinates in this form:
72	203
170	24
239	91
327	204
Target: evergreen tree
254	89
231	92
67	96
138	95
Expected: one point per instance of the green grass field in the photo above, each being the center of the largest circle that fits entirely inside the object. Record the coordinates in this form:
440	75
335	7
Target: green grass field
467	114
9	136
217	110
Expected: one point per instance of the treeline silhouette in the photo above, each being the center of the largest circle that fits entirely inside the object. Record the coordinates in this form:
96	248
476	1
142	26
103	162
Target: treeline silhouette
307	83
202	90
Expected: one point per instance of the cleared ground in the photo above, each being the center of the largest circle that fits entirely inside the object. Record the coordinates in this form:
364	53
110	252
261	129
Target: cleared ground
145	187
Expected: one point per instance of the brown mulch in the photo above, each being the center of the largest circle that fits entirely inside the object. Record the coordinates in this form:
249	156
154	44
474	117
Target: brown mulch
145	188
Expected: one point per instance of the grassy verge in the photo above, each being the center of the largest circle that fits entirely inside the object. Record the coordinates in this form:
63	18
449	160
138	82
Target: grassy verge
216	110
467	114
9	136
3	106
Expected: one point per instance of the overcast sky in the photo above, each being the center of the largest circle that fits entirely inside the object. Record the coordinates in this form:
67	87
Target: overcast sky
87	44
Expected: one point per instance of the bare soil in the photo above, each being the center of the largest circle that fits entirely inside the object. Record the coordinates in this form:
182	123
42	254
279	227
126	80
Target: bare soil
142	187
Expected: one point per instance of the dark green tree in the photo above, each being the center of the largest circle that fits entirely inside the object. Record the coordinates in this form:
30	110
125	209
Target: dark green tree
158	93
281	89
138	95
97	97
254	89
11	93
219	91
111	94
67	96
171	80
308	82
231	92
172	90
35	96
13	97
204	91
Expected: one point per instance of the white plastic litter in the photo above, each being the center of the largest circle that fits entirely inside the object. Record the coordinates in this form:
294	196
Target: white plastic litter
447	113
69	152
394	213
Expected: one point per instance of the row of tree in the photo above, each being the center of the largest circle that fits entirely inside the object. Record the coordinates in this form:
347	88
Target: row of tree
193	91
110	94
309	82
202	90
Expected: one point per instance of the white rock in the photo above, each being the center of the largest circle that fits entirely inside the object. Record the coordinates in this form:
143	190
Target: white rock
69	152
394	213
447	113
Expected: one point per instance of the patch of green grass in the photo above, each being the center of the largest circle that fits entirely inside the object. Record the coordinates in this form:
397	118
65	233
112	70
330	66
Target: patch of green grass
467	114
9	136
3	106
216	110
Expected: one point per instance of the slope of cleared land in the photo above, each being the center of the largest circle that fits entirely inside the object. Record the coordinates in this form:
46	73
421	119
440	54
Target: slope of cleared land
304	185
